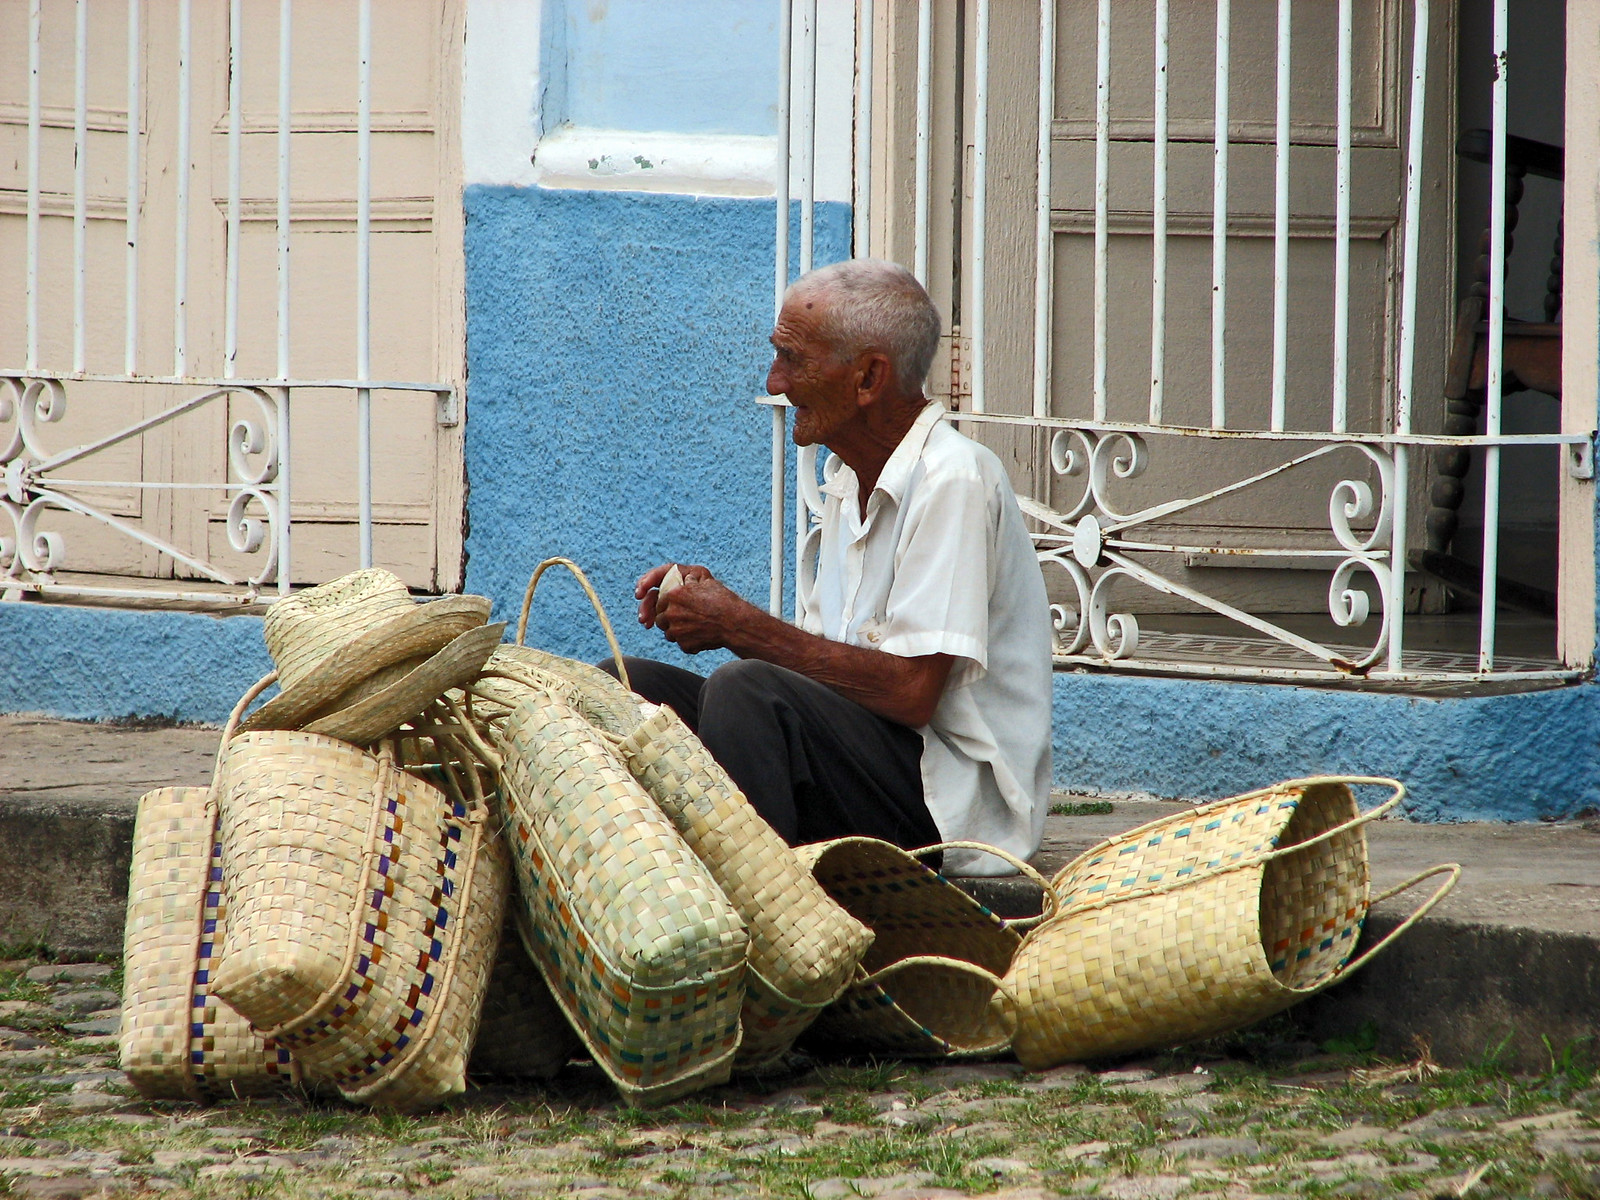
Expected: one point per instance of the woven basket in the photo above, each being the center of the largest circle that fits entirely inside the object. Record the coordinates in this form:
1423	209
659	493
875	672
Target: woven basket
523	1033
640	947
177	1041
365	907
1202	922
512	671
804	947
930	986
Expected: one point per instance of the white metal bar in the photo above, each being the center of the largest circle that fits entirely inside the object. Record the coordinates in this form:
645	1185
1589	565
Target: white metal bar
1043	239
230	348
1280	225
980	205
80	185
376	385
805	458
180	256
1264	435
364	275
1158	238
1219	224
1102	192
808	137
285	135
924	136
285	515
780	260
1405	373
32	301
1489	591
862	221
1341	233
130	349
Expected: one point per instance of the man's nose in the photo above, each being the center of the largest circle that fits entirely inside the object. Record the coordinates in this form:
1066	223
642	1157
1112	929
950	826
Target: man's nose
776	385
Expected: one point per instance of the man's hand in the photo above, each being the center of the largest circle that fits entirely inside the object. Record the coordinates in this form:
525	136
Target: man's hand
701	613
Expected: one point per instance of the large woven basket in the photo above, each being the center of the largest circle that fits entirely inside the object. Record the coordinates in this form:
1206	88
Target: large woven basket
1202	922
931	985
804	947
177	1041
365	906
639	945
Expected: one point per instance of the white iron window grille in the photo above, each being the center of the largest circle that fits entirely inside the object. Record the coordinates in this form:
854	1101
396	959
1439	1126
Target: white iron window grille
1116	494
70	178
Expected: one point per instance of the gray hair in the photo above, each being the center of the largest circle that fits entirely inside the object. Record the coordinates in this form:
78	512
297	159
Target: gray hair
876	305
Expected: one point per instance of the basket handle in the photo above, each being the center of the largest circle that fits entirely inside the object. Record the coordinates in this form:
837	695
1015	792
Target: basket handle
599	610
237	715
1371	814
1052	901
1165	886
1422	910
961	965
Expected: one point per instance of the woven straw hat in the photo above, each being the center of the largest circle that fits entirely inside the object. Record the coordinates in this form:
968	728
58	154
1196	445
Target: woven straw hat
358	656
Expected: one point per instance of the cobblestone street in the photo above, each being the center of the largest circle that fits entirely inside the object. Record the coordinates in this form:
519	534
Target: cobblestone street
1260	1114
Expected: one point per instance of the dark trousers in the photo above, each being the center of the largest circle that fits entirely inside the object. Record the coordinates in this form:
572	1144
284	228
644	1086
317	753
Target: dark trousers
814	764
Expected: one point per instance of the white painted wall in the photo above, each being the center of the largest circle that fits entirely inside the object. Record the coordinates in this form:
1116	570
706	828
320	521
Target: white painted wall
500	91
638	95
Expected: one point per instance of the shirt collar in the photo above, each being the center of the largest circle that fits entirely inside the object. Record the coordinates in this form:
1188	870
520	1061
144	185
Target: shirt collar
896	471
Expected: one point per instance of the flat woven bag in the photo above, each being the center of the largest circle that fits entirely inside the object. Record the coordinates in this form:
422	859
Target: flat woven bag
638	944
931	986
364	909
523	1033
804	947
178	1042
1203	922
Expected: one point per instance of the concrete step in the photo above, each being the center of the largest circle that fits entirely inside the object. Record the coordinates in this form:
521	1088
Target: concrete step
1510	960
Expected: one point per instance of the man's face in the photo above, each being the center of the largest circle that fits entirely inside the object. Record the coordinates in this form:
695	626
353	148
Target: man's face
822	390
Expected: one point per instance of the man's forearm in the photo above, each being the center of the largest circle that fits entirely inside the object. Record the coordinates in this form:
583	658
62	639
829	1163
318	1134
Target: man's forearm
904	690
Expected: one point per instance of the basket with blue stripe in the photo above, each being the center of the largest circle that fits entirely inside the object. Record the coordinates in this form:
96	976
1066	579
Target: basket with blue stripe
1203	922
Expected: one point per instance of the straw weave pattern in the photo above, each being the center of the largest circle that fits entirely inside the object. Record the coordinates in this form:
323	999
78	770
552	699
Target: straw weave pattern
803	946
177	1041
303	629
595	694
523	1034
365	907
923	1010
1163	936
638	944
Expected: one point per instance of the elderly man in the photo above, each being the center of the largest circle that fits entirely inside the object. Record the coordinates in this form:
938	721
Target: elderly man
912	700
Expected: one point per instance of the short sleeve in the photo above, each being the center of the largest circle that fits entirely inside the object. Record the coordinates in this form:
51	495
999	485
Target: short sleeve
939	600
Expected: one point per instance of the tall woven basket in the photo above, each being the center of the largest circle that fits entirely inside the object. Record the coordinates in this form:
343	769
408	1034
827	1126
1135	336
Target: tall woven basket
365	906
1203	922
931	986
638	944
178	1042
804	947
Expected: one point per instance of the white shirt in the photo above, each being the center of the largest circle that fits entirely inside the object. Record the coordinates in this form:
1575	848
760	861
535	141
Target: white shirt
942	564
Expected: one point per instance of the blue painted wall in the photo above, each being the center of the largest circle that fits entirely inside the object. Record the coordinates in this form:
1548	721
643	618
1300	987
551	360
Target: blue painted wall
615	343
1514	757
96	663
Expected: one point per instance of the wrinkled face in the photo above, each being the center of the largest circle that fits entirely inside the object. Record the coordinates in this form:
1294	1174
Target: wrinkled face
824	391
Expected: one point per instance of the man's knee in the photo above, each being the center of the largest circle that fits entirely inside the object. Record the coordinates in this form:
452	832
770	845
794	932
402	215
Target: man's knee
741	682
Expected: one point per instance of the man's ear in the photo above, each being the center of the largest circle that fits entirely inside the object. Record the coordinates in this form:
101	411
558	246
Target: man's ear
875	379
